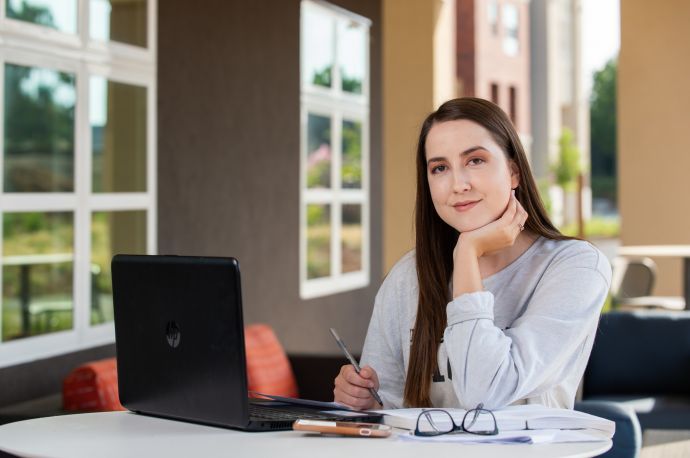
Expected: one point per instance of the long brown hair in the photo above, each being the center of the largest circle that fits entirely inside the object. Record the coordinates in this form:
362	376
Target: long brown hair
435	239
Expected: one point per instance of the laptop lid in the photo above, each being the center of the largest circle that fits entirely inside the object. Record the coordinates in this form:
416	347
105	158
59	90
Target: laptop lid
180	338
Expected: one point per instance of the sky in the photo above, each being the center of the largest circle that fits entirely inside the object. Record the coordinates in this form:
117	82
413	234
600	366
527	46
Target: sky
600	35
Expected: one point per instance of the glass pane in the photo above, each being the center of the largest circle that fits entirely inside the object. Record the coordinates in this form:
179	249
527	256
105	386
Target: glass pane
511	22
112	20
352	238
318	240
353	55
317	47
492	13
318	151
118	131
57	14
37	270
39	130
122	232
352	154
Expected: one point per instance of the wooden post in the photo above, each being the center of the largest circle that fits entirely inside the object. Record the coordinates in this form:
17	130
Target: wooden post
580	221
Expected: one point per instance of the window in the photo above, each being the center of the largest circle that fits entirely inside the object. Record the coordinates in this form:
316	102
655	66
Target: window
494	93
511	21
77	166
512	107
334	158
492	16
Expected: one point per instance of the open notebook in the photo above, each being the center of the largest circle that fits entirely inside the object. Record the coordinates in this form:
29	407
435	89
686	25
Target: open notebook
513	418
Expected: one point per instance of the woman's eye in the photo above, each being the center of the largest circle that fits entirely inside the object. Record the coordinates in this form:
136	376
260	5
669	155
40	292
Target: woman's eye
438	169
475	161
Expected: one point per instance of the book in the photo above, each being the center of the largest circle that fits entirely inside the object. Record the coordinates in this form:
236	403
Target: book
512	418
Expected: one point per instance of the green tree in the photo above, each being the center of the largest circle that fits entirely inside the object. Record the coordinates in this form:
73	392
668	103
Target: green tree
603	132
323	78
31	13
568	167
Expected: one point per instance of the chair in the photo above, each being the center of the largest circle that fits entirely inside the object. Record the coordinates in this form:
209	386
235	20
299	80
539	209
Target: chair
632	284
92	387
268	367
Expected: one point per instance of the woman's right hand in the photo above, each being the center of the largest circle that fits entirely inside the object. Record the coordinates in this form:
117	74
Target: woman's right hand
352	389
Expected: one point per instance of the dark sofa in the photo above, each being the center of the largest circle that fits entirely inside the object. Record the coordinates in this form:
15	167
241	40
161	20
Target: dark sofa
642	360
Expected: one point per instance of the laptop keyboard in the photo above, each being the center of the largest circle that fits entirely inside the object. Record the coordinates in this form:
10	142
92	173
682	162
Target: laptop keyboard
261	412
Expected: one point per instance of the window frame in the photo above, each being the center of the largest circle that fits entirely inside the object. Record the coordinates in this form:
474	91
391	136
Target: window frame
338	105
37	46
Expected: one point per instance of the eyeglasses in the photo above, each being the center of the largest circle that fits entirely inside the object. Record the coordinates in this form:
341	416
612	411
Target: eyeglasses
434	422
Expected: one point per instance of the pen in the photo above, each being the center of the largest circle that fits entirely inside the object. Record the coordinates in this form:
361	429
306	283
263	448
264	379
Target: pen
354	362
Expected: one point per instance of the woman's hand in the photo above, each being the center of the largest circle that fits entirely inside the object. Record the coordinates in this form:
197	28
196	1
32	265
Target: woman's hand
352	389
496	235
474	244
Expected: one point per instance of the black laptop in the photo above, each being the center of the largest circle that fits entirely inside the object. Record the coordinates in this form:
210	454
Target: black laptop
179	336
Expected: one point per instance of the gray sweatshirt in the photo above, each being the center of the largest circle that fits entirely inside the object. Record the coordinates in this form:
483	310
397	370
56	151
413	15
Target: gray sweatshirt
525	339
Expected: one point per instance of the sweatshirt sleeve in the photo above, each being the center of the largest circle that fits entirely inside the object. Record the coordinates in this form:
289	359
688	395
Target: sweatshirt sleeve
382	346
498	367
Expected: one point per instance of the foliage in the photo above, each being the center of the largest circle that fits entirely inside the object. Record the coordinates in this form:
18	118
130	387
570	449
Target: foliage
603	124
596	227
31	13
543	185
352	154
39	130
568	167
353	84
323	78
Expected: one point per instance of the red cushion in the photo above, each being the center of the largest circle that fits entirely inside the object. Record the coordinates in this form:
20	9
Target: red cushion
92	387
268	368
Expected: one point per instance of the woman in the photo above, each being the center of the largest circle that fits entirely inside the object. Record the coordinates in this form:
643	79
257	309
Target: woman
494	305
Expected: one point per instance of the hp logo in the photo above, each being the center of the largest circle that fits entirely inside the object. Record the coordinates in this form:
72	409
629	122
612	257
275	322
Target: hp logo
172	334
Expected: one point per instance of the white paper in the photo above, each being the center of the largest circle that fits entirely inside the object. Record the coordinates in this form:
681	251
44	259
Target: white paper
508	437
541	436
304	402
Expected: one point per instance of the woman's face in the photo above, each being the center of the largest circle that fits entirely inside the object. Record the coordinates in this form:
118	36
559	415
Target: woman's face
470	176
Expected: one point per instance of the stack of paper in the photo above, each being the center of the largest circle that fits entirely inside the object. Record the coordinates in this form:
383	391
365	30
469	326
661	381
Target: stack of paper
539	436
514	418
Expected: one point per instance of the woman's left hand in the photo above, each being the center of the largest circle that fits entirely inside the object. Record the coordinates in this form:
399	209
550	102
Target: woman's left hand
496	235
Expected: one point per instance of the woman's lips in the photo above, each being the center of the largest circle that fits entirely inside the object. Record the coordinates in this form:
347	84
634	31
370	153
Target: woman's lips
465	207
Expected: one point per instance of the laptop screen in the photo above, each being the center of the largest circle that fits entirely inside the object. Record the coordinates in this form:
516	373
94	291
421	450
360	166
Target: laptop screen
180	338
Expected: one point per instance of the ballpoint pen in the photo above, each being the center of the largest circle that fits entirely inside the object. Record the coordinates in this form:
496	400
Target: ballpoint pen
354	362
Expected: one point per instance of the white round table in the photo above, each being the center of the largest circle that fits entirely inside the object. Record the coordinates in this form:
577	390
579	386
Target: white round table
126	434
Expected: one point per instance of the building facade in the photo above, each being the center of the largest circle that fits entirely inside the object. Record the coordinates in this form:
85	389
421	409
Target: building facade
493	57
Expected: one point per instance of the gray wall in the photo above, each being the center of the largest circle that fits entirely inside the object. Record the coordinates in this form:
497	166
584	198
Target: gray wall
43	377
228	158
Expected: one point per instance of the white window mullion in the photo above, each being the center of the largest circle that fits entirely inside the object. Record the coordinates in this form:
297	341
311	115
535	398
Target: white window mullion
302	198
83	9
38	202
152	31
336	180
151	157
82	214
366	196
318	196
